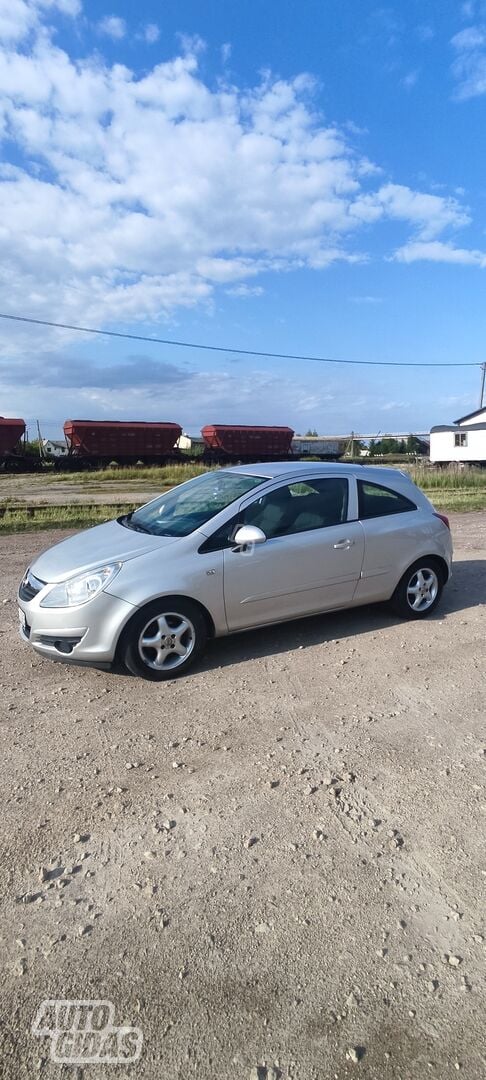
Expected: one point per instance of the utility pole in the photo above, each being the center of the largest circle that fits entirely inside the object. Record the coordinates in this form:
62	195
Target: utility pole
39	437
483	374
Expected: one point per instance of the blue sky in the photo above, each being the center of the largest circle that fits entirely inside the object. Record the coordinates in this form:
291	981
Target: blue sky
304	178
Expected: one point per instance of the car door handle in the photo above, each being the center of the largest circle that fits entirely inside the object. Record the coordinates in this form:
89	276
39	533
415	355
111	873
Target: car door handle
343	545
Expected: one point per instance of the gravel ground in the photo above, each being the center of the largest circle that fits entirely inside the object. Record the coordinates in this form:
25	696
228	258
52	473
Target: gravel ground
275	867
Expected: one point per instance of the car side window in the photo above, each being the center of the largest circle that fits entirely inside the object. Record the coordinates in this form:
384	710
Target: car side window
300	507
377	501
293	508
223	537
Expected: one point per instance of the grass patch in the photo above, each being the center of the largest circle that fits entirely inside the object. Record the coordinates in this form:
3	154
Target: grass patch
449	479
453	489
18	519
159	475
451	501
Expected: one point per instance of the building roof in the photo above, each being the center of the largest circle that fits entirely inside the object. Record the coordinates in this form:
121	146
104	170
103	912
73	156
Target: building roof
469	416
455	427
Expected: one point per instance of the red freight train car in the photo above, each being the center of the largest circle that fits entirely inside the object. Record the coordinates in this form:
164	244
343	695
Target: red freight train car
121	441
248	442
11	432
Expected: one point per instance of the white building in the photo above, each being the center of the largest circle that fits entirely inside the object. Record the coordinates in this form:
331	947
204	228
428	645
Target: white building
190	442
462	441
54	447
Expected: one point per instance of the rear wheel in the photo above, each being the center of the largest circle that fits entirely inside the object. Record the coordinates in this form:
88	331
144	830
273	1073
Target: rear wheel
163	639
420	589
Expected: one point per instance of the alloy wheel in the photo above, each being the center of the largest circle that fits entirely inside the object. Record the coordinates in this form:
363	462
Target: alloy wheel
166	641
422	589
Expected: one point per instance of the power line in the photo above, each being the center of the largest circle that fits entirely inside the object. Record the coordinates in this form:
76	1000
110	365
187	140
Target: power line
231	349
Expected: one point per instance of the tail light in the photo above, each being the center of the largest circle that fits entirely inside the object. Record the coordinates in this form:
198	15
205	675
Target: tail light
442	518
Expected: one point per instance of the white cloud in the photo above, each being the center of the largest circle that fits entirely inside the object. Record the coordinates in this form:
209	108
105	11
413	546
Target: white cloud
438	251
132	196
226	51
151	33
366	299
470	38
191	44
242	395
245	291
428	214
469	66
392	406
113	27
19	17
410	80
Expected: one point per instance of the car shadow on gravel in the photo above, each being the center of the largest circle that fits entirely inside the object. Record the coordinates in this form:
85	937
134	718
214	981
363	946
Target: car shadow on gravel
466	589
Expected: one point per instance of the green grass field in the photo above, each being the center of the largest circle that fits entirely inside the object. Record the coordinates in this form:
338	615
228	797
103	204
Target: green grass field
163	475
17	519
449	479
452	489
449	490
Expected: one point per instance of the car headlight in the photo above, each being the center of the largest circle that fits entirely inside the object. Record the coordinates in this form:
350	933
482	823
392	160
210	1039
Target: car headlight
78	590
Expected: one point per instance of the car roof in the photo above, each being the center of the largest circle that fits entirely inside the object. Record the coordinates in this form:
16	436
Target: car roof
284	469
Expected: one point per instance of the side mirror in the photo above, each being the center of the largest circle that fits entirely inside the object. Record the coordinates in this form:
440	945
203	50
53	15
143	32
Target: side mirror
249	534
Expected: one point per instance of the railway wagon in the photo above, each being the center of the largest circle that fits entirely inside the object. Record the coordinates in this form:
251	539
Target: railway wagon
98	442
313	446
11	432
243	442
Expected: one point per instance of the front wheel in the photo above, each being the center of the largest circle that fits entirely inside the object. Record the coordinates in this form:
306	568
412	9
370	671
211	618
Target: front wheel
419	591
163	639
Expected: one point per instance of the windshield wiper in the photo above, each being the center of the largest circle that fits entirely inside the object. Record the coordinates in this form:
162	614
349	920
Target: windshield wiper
126	520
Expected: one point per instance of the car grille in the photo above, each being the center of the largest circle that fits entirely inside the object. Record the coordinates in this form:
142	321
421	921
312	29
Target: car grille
30	586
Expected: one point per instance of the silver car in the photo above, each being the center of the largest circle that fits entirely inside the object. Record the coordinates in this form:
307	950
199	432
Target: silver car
233	549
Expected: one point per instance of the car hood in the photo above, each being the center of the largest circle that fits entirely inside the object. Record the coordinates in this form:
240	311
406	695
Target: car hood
110	542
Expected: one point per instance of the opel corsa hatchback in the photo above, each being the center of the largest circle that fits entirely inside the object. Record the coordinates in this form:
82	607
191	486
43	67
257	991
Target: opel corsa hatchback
233	549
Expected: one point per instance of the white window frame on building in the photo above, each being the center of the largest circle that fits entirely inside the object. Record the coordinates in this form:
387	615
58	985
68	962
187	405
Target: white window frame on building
460	438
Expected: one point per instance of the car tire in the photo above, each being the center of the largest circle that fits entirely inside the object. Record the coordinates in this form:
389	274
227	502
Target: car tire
421	585
163	639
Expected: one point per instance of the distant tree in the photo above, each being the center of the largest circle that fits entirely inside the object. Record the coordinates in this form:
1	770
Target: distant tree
386	446
31	446
311	434
414	445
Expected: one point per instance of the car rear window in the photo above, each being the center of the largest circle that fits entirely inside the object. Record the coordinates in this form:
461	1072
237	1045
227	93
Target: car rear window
378	501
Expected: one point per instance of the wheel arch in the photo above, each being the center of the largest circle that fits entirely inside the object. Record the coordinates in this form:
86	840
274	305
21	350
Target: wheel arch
171	598
439	561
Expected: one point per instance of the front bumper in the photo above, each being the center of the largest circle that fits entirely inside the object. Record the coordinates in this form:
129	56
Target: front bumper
87	634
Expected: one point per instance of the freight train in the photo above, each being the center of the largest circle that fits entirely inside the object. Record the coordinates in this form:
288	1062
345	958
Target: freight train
97	443
11	451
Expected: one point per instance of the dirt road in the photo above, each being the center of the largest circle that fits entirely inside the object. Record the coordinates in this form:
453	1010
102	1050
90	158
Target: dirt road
273	867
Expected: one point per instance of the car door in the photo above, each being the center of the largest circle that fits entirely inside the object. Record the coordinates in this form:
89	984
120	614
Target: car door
392	531
310	561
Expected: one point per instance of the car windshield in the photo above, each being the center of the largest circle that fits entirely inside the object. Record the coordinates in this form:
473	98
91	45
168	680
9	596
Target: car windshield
188	506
